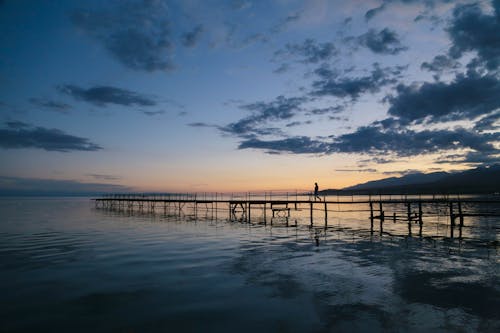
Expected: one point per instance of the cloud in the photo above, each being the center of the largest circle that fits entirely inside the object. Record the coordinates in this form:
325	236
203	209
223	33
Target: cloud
281	26
103	177
374	11
135	32
465	97
475	157
295	145
384	41
153	113
490	122
472	30
403	172
357	170
282	69
201	124
298	123
429	5
240	4
104	95
34	186
190	39
374	139
309	51
331	84
16	124
50	104
377	160
328	110
282	108
19	135
440	63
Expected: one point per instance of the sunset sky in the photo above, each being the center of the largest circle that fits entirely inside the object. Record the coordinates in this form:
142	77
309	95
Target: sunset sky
240	95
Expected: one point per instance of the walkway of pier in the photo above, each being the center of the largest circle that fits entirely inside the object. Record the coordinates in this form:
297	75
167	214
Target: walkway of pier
401	208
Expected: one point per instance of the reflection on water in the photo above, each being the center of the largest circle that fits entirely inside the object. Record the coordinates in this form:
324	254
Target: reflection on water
68	267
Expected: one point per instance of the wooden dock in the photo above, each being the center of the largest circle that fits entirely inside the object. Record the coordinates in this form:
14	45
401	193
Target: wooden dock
269	207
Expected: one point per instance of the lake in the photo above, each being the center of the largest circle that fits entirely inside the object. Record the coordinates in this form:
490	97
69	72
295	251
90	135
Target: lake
66	266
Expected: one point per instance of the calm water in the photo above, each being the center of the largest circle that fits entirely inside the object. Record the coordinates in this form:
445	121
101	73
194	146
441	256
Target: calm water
65	266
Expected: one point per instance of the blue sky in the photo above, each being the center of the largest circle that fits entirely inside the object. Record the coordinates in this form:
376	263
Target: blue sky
236	95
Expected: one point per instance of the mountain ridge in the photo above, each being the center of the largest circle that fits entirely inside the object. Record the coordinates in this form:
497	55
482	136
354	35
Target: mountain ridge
477	181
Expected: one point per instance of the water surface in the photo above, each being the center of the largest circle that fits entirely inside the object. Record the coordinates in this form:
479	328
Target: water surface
65	266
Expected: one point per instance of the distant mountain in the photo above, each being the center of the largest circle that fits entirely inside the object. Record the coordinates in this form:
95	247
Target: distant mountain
479	180
411	179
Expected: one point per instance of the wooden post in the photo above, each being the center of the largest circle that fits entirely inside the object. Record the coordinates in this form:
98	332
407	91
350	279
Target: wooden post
311	211
452	215
326	215
461	217
409	217
265	212
248	220
371	216
382	217
452	220
420	220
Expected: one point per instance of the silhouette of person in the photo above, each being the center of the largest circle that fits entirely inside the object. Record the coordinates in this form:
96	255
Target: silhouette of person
316	195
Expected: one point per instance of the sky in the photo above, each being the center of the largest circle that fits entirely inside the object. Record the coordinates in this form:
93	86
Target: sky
242	95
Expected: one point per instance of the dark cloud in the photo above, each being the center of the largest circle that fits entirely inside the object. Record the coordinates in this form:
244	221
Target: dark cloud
282	108
135	32
331	84
357	170
240	4
490	122
50	104
16	124
295	145
472	30
104	95
464	98
34	186
440	63
374	11
282	69
482	157
402	142
201	124
286	22
435	20
384	41
190	39
328	110
103	177
377	140
253	38
19	135
298	123
153	113
429	5
474	158
377	160
309	51
403	172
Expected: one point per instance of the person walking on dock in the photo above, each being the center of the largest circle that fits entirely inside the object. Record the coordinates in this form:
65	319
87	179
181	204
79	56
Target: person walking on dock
316	195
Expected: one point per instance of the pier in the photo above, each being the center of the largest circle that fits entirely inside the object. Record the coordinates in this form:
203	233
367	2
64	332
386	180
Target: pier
377	211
